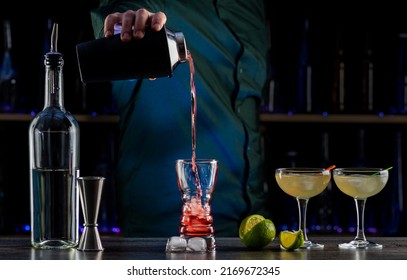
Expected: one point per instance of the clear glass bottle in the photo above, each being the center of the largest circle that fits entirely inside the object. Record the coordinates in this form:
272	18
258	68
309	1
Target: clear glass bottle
54	163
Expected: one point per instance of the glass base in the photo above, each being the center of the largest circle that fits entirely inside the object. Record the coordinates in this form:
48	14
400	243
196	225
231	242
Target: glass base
54	244
188	244
311	245
360	244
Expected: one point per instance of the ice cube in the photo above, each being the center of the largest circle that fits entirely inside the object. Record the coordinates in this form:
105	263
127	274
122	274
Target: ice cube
196	207
176	244
197	244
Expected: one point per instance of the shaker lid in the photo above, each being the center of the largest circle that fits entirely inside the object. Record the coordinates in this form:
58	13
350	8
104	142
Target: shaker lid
182	46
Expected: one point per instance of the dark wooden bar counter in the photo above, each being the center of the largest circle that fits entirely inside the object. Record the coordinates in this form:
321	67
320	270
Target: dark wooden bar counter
119	248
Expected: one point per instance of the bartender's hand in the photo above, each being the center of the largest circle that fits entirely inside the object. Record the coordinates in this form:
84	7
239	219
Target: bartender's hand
133	23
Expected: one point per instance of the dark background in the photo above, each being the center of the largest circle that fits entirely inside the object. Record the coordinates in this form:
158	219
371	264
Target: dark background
285	143
31	28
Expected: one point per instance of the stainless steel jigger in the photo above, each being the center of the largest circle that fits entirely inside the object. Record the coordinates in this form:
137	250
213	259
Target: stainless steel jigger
90	191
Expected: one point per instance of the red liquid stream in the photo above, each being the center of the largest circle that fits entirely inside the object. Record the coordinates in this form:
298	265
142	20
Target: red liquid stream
193	120
193	104
196	219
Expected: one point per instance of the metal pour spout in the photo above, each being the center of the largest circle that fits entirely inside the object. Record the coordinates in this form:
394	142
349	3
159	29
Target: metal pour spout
54	37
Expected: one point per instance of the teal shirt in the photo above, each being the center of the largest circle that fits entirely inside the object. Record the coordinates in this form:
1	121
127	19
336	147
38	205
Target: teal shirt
227	40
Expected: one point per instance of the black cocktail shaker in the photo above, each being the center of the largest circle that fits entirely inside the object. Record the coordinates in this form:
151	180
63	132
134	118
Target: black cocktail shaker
156	55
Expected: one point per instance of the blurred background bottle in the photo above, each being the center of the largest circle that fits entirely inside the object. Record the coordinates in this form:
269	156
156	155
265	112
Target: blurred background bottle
367	102
402	75
339	88
324	218
8	74
2	203
272	101
305	72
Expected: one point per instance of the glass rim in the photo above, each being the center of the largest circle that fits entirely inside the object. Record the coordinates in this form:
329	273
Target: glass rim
198	160
90	178
302	169
360	169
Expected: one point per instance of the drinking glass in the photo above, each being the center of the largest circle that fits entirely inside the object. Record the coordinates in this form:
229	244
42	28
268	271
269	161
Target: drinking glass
303	183
360	183
196	181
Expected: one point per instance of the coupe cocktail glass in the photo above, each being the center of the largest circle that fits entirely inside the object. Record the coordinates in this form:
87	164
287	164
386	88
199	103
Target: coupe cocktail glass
360	183
196	181
303	183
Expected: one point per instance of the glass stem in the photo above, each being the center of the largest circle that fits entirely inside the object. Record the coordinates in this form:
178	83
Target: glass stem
360	212
302	210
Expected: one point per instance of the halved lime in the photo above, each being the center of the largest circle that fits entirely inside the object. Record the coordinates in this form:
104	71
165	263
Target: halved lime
291	240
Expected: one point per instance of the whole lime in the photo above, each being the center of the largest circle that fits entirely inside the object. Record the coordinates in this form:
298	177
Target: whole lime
256	232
